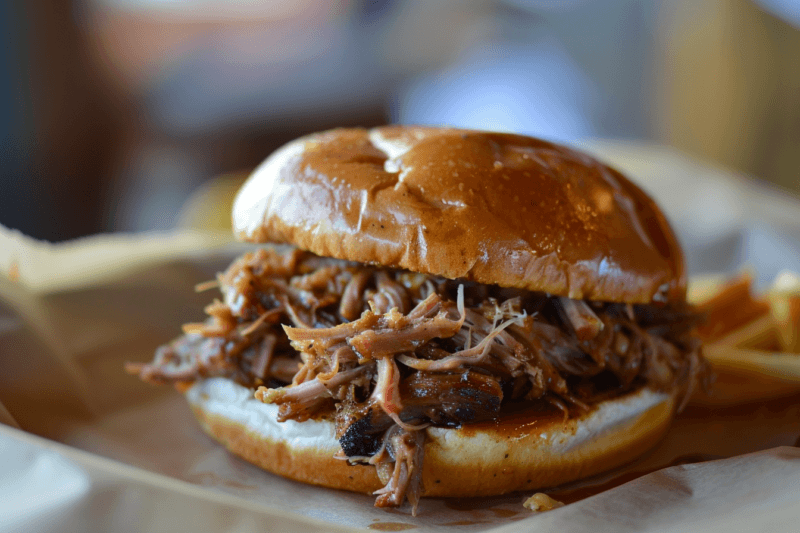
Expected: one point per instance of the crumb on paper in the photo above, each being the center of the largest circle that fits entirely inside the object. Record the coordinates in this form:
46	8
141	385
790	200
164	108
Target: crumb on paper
541	502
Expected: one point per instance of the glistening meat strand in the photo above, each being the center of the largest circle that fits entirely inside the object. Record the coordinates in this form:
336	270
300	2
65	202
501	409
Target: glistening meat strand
389	352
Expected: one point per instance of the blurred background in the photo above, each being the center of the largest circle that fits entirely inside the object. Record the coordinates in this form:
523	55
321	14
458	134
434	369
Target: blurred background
114	113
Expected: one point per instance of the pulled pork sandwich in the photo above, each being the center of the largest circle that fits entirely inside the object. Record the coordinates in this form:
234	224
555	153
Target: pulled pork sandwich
457	313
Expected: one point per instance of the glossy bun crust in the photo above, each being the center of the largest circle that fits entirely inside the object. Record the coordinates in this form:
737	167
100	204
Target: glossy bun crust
527	451
490	207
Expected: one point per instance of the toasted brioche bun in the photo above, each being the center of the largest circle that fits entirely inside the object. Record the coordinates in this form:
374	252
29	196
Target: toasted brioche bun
525	452
494	208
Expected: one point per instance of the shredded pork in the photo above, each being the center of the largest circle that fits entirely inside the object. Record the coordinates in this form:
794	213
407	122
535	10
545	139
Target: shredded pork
390	352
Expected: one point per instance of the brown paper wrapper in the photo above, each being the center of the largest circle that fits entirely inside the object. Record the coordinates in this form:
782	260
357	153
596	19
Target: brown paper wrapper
72	314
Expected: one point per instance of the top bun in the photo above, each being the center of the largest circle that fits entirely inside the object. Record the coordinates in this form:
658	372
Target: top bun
490	207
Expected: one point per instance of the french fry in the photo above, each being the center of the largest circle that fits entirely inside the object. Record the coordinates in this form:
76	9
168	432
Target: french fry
780	365
761	333
703	288
747	375
731	308
784	298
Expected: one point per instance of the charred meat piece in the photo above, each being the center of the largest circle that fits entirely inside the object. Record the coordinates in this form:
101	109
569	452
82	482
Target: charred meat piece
364	427
450	399
443	399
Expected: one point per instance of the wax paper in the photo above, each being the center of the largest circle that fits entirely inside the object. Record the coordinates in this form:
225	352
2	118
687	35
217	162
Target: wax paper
85	447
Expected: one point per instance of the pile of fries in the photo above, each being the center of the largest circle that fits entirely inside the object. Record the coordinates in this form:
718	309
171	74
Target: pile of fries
752	341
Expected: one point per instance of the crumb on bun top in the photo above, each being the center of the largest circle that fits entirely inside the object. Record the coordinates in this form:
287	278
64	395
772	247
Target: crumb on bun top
490	207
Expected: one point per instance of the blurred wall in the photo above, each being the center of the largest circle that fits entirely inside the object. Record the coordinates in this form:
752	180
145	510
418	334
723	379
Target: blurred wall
115	111
60	123
727	86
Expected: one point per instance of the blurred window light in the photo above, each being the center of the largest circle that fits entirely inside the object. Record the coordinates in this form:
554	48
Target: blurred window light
534	88
788	10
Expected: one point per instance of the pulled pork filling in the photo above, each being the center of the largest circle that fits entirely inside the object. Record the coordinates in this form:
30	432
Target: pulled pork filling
390	352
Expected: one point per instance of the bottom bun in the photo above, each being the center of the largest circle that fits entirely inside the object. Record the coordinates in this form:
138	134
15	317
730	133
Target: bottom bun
520	452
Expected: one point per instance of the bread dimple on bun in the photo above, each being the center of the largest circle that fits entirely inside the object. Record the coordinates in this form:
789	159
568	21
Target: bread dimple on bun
485	459
490	207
